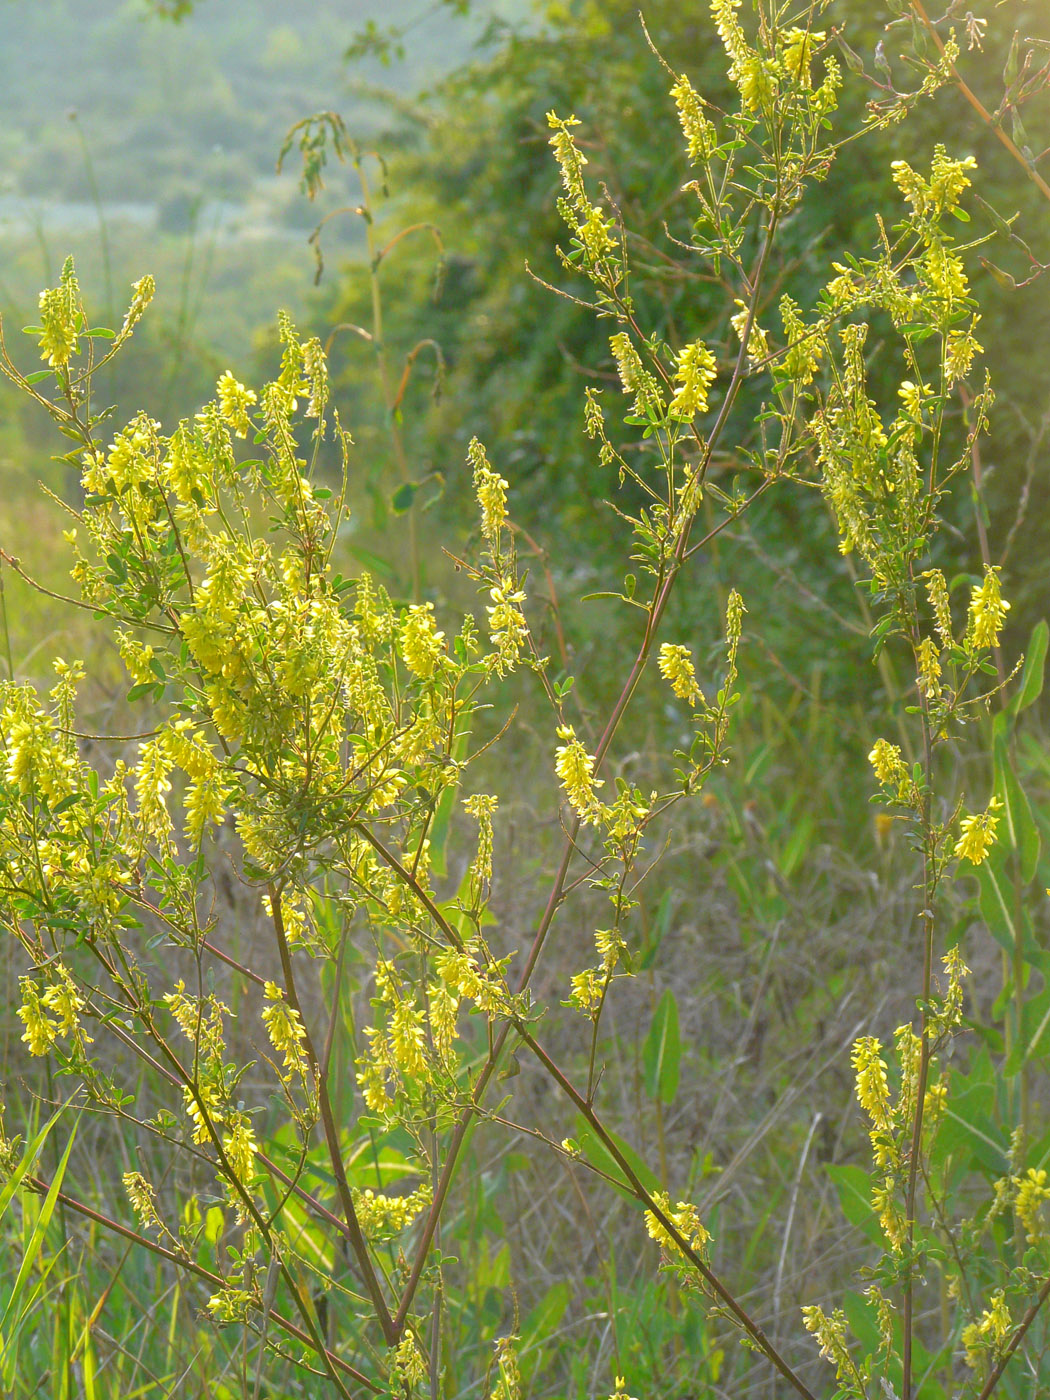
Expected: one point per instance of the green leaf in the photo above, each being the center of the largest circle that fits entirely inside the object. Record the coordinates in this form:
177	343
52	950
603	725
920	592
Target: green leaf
862	1322
661	923
375	562
854	1192
38	375
662	1051
1019	824
443	810
138	691
401	500
1031	686
1035	1033
32	1248
66	803
540	1325
595	1152
997	900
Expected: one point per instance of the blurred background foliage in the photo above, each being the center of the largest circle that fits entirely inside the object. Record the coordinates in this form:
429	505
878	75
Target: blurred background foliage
781	907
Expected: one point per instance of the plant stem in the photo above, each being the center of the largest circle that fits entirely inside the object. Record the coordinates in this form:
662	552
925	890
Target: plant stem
979	107
926	915
335	1363
391	1331
711	1279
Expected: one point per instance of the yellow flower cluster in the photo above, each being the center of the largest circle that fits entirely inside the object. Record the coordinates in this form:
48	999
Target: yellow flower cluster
694	374
977	834
293	917
731	34
575	768
52	1013
203	1109
587	990
830	1333
873	1092
757	340
140	1194
676	666
508	1377
588	221
200	1021
635	378
686	1220
232	1304
570	158
61	317
929	668
942	192
1032	1191
620	1393
234	402
482	806
887	762
937	593
286	1030
407	1362
507	625
422	645
986	1336
988	611
491	492
697	129
381	1217
805	345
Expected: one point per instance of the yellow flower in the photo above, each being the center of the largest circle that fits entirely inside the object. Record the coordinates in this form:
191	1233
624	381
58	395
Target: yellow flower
490	490
694	374
593	233
830	1333
140	1194
697	129
886	759
421	642
988	611
676	667
59	313
284	1028
937	592
873	1091
1032	1191
409	1363
977	834
481	806
240	1147
805	346
207	1095
575	767
407	1039
507	624
684	1217
757	340
635	378
234	402
570	158
988	1332
40	1030
798	52
929	677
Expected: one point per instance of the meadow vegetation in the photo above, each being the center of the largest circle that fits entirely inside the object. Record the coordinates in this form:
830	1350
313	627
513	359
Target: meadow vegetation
521	849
